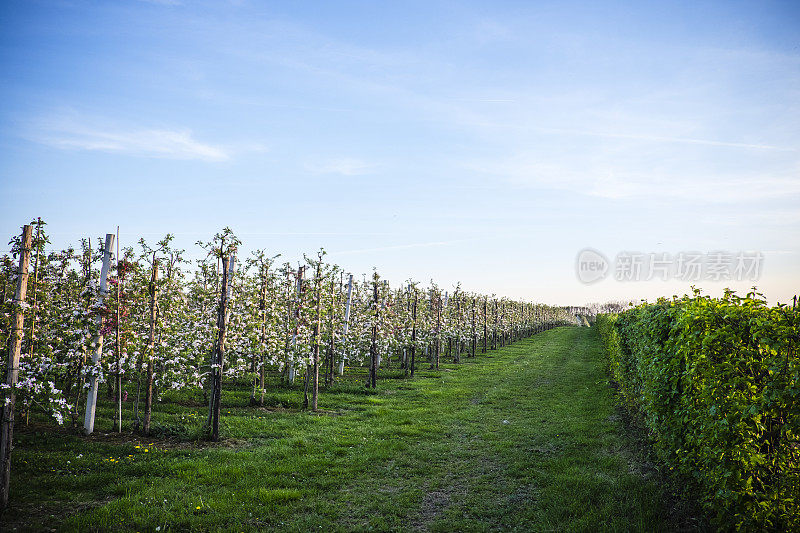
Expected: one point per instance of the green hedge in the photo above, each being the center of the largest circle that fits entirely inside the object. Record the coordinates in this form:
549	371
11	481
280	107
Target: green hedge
718	384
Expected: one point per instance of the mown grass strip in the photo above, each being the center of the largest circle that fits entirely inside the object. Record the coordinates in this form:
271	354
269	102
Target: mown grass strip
526	438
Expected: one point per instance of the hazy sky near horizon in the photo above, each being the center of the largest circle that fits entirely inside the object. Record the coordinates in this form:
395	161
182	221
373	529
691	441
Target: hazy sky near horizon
480	142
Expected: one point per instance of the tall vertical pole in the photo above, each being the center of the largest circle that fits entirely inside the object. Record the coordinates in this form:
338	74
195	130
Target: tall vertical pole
438	326
456	326
438	303
228	264
373	350
474	334
118	346
329	362
494	330
413	332
405	327
288	328
317	331
151	347
485	318
263	336
346	321
300	274
12	367
502	324
91	400
38	244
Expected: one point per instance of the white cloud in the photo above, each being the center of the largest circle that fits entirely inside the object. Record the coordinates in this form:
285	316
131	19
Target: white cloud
75	133
769	217
346	166
605	180
667	139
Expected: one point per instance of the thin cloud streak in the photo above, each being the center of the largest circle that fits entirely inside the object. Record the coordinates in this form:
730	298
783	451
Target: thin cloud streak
86	135
165	144
657	138
345	166
605	179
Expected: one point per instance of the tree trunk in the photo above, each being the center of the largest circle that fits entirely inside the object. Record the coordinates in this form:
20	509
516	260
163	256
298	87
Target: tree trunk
494	331
12	366
38	244
457	357
346	321
485	329
502	325
373	347
329	367
413	333
215	407
306	382
118	347
288	330
87	274
262	370
151	348
298	316
438	331
262	307
474	332
318	284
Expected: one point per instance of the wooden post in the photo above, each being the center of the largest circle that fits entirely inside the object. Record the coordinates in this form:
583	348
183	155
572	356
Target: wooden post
91	400
12	365
346	320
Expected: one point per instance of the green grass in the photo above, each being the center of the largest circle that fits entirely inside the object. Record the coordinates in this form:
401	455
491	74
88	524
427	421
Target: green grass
526	438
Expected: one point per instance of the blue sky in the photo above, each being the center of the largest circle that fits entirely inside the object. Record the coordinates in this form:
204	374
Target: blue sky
481	142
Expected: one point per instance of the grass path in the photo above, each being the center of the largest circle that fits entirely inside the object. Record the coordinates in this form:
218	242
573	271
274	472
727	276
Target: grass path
526	438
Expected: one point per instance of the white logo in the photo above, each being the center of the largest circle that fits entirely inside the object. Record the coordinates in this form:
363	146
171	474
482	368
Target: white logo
591	266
